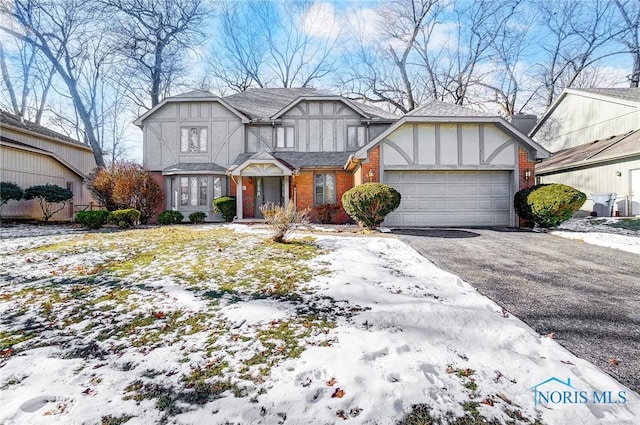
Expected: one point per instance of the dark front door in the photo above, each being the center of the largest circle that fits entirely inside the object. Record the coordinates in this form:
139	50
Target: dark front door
268	191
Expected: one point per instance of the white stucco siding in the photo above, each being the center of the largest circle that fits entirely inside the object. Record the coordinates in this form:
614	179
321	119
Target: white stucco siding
449	145
600	179
580	119
162	134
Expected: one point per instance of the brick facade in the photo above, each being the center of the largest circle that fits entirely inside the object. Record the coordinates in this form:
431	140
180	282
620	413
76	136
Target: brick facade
157	177
304	183
524	165
372	164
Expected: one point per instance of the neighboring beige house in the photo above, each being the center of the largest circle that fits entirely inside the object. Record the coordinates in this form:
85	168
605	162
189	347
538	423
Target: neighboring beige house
595	139
34	155
453	166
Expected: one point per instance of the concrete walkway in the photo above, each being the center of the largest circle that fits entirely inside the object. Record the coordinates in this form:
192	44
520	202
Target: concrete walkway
588	296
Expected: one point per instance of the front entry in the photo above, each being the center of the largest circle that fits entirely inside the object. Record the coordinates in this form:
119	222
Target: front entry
268	190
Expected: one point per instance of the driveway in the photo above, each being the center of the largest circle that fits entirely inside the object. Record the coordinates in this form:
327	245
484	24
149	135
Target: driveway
588	296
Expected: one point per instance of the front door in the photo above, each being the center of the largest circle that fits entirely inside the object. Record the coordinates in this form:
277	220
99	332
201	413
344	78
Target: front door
635	192
268	191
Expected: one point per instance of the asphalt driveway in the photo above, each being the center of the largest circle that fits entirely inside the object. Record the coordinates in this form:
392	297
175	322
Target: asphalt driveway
588	296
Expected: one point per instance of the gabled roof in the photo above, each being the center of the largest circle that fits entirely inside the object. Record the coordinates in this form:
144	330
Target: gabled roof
8	119
6	141
436	108
270	103
244	160
192	96
628	96
614	148
441	112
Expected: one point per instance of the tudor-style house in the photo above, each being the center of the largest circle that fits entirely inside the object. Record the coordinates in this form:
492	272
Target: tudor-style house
261	146
453	166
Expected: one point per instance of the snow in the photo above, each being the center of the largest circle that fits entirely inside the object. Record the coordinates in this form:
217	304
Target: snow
594	231
407	325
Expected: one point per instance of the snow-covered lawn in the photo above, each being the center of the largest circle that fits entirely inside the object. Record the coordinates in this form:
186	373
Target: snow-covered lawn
211	325
602	231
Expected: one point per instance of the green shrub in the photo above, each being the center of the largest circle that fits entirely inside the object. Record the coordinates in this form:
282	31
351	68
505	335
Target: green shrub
226	206
521	205
370	203
47	195
92	219
197	217
124	218
554	203
170	217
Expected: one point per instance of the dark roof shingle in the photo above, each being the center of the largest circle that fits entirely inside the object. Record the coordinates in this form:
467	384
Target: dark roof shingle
615	147
625	93
9	119
299	160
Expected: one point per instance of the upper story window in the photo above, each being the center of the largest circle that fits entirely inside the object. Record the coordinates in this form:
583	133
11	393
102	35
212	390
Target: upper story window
285	138
193	139
356	136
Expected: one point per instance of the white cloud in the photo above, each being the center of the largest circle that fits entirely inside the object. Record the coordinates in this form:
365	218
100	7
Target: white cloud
321	21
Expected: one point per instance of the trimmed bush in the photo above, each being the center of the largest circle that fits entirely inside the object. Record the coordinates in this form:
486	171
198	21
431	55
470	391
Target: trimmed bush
9	191
92	219
124	218
226	206
197	217
554	203
521	205
169	217
370	203
47	195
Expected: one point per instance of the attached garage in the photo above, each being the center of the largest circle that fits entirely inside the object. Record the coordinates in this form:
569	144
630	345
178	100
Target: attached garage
451	198
453	166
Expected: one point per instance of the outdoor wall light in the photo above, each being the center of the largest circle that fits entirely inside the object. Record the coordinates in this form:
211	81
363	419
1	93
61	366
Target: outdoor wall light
371	174
527	174
618	173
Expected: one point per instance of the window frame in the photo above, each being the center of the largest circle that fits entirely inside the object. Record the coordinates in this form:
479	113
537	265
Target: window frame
190	195
360	130
289	142
333	176
203	141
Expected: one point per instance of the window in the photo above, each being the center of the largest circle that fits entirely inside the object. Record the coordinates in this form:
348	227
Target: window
285	138
193	139
325	189
194	191
356	136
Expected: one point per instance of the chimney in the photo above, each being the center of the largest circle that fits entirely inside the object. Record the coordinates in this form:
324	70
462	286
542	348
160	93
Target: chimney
524	122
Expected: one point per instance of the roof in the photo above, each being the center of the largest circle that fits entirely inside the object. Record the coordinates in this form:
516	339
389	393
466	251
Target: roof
627	95
194	167
616	147
441	112
24	146
270	103
298	160
9	119
436	108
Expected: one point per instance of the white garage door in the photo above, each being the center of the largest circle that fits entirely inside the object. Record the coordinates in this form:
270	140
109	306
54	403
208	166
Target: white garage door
450	198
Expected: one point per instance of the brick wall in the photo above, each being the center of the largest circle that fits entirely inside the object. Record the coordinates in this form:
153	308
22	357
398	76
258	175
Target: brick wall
372	164
524	164
157	177
304	183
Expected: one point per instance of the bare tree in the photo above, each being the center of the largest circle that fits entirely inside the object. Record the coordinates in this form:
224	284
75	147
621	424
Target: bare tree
66	33
630	13
577	35
155	35
29	83
269	44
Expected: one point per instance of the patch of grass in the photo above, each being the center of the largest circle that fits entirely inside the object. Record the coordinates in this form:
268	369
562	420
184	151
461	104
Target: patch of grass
115	420
12	381
626	223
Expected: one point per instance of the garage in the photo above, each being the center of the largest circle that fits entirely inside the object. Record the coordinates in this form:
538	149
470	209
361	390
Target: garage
451	198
